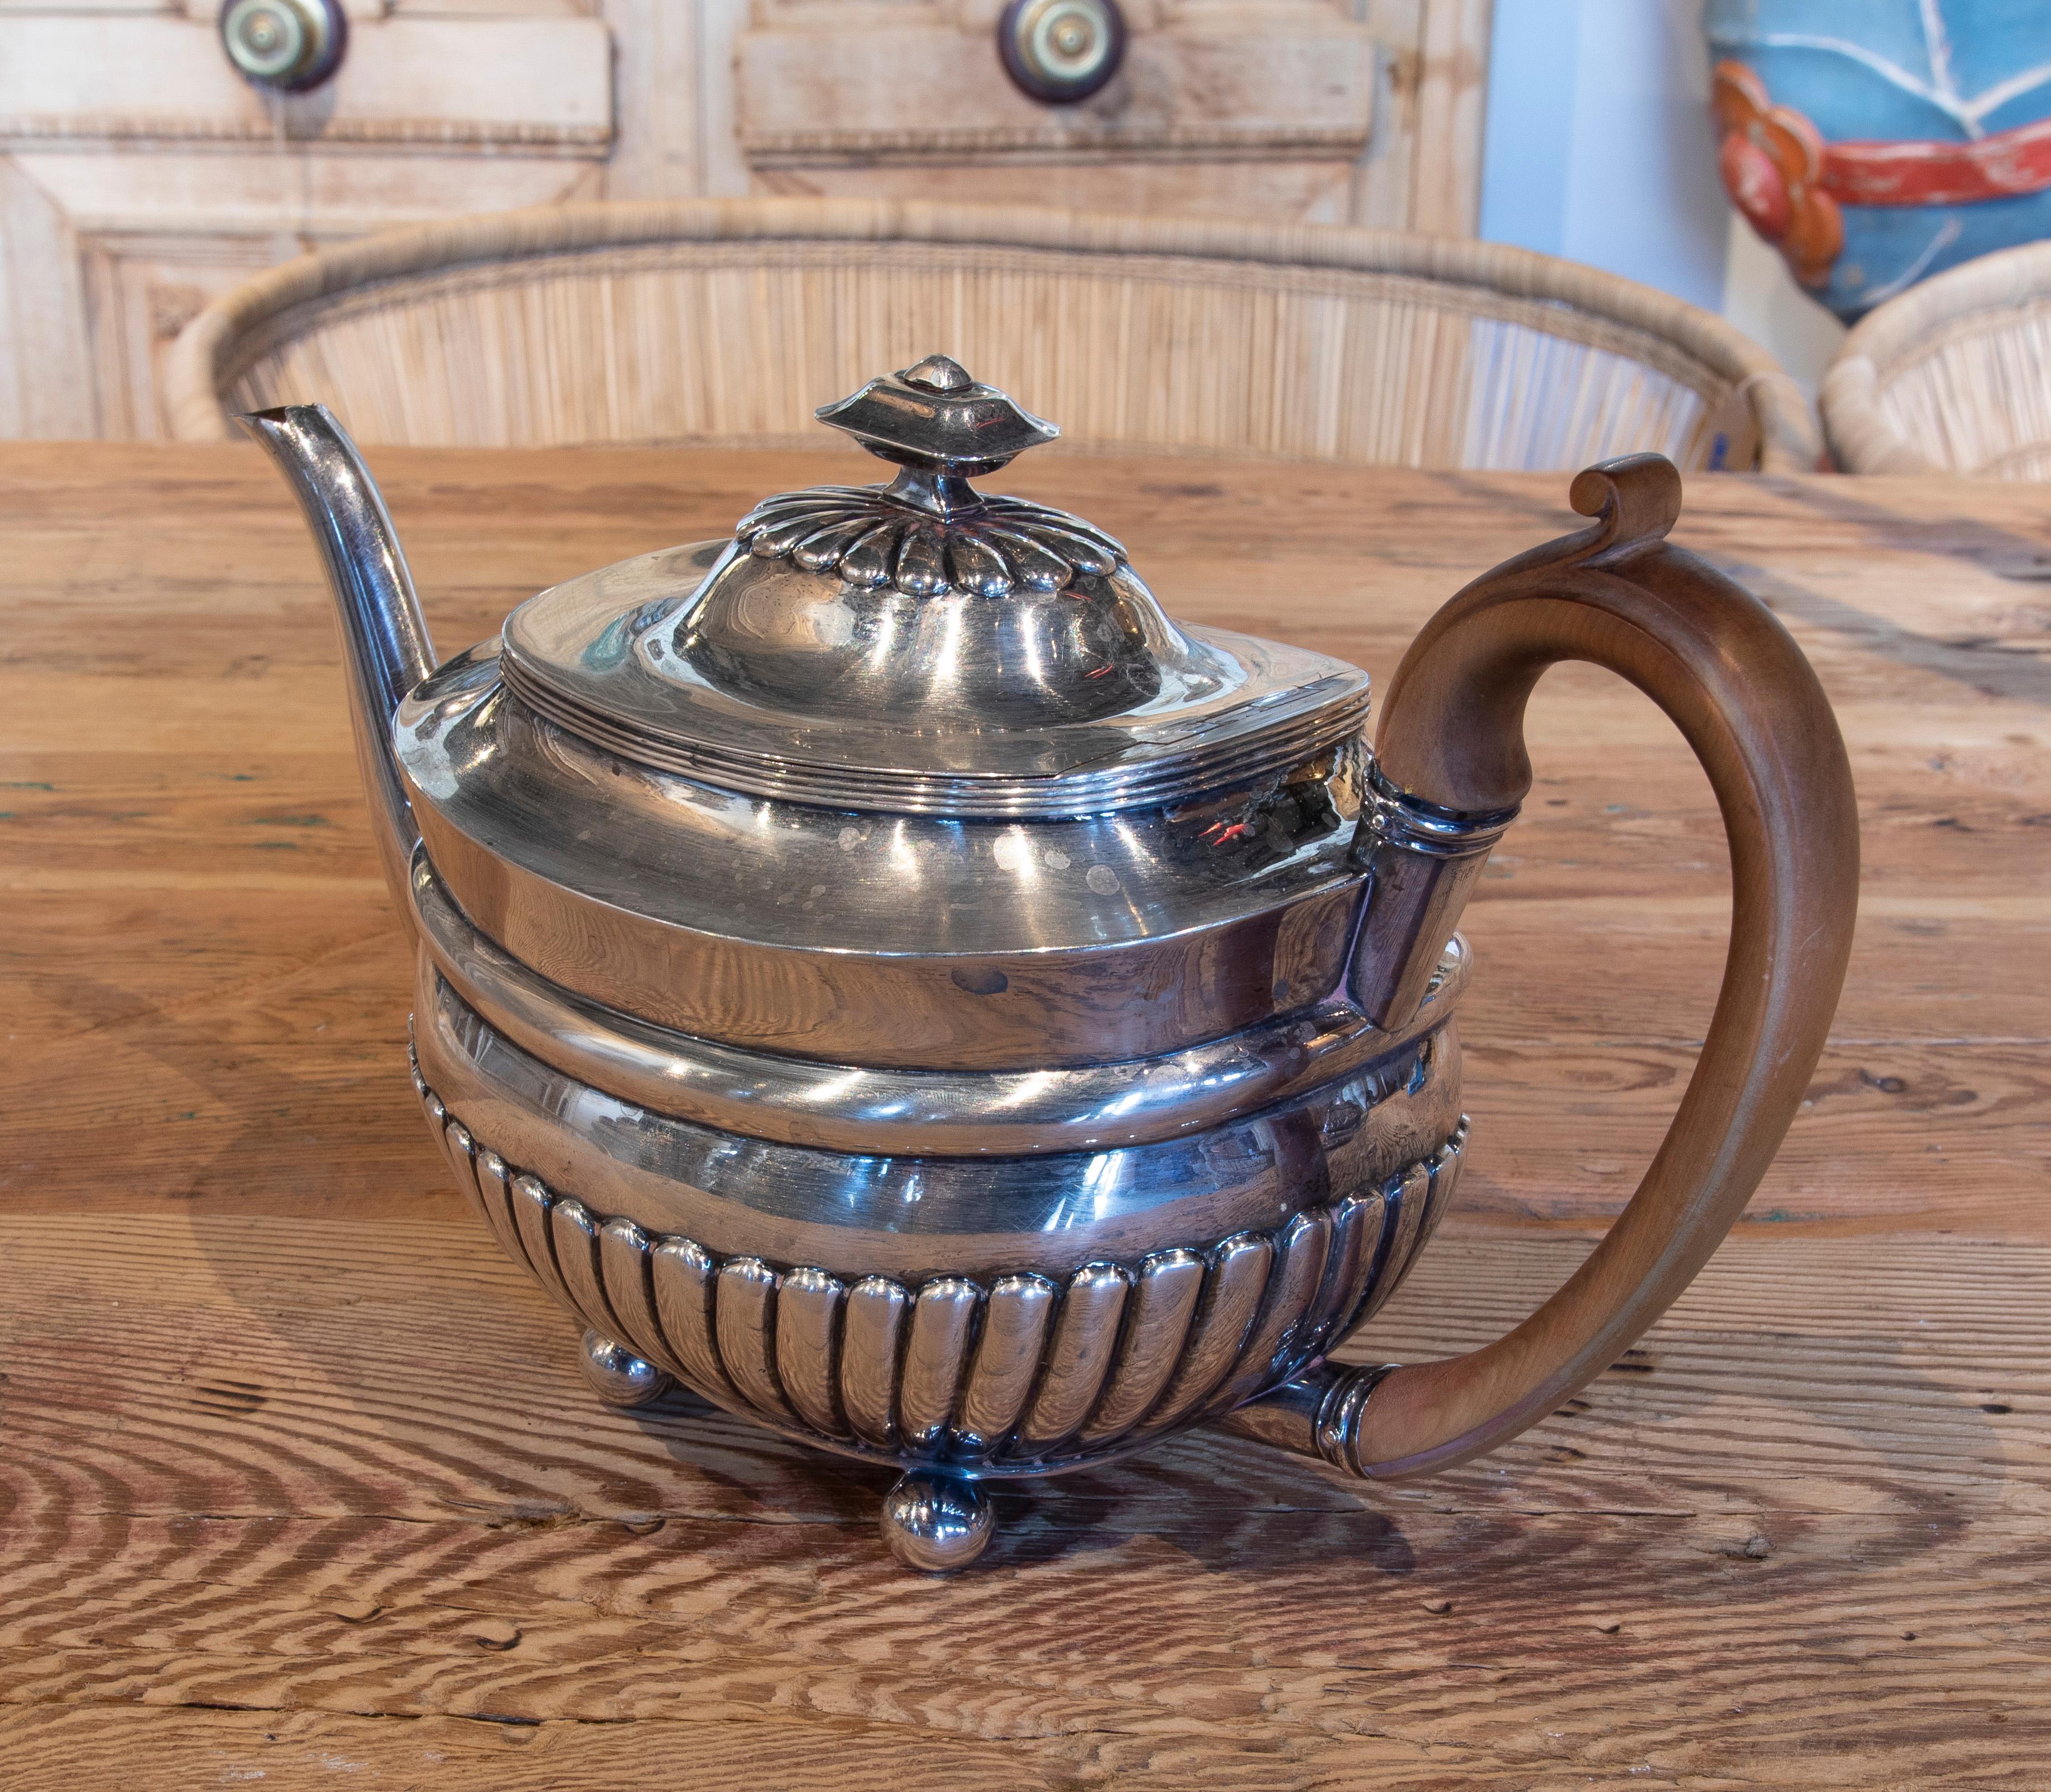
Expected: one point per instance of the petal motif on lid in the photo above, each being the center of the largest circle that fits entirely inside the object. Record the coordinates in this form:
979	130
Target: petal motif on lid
780	538
1031	564
868	563
819	500
976	565
874	538
820	552
1084	555
1023	514
921	571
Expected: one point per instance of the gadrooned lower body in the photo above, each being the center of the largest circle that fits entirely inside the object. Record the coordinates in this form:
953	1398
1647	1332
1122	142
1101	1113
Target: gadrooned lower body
962	1319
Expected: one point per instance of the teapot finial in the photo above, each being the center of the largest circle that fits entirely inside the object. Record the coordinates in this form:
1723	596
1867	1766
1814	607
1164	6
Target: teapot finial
942	425
938	374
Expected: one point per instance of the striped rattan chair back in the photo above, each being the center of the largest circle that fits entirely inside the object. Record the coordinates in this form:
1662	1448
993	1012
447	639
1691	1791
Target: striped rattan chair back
726	322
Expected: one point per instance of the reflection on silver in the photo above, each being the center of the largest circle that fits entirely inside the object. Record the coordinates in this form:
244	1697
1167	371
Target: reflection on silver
529	1198
1300	1249
874	538
683	1274
619	1376
875	939
456	1147
1023	1374
383	631
1238	1279
1085	1337
1357	1227
1007	1357
877	1309
1424	865
744	1310
623	1250
936	1523
920	649
860	1108
915	1218
1164	1297
941	1320
574	1234
1408	1202
808	1302
882	972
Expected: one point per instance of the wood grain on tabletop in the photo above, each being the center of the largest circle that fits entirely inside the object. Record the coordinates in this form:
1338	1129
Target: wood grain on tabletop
299	1476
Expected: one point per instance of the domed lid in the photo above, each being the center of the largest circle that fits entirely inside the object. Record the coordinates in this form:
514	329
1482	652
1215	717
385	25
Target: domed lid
920	647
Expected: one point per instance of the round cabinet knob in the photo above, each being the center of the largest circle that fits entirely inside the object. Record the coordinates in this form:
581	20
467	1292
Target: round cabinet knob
1061	51
288	45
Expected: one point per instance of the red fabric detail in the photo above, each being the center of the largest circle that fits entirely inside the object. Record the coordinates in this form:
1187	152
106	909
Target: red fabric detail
1902	173
1755	186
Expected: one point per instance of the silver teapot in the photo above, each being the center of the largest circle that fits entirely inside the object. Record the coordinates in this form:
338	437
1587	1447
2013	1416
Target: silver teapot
879	970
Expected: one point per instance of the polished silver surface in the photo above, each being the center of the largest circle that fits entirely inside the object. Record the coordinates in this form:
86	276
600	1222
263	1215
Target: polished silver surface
684	1276
808	1319
878	1310
935	419
288	46
867	1109
1317	1415
383	631
761	676
919	648
936	1523
875	538
1280	1341
1422	864
745	1311
912	1218
624	1270
981	1372
770	679
899	940
617	1376
1240	1271
1073	1371
1163	1301
943	1320
1015	1318
881	973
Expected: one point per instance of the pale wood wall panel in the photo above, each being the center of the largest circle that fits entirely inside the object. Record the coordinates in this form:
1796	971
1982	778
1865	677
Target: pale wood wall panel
46	383
141	173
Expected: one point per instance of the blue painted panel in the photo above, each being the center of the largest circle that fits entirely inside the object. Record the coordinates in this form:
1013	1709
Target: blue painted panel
1526	156
1599	145
1932	70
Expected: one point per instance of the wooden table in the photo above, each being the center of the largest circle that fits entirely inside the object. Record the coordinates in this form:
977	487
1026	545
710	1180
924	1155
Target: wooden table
284	1503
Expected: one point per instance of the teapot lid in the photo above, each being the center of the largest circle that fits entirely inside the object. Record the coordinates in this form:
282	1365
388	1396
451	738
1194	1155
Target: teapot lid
920	647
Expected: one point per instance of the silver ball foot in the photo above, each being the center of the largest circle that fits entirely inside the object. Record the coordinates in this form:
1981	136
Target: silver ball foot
620	1377
936	1524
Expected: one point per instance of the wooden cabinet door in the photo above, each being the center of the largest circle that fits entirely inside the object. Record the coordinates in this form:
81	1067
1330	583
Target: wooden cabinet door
1318	110
140	175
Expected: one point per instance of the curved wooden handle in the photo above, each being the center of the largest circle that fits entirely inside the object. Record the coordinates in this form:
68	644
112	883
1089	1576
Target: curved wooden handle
1451	751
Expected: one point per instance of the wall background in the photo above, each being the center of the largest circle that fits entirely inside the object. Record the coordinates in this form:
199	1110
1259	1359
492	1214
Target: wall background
1598	146
139	176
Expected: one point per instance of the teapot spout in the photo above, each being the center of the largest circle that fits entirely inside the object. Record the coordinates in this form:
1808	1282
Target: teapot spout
383	632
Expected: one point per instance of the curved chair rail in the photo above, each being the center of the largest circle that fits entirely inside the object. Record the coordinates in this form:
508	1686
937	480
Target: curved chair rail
726	320
1952	376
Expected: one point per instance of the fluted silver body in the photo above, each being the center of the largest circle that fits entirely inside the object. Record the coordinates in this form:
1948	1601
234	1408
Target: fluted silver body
880	972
